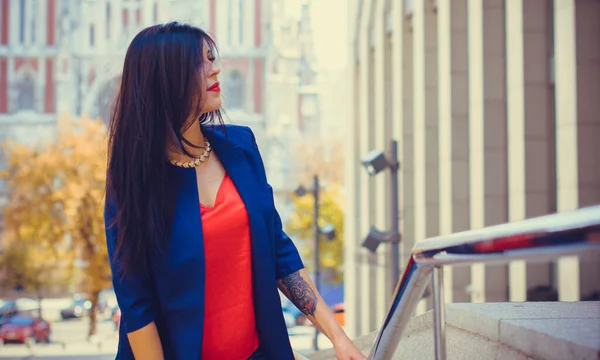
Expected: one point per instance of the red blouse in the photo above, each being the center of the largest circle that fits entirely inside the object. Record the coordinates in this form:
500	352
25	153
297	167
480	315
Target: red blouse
229	323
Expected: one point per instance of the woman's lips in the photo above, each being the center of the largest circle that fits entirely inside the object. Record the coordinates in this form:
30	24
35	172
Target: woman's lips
214	87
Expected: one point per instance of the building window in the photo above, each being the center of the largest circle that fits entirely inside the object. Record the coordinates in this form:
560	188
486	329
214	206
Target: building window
235	90
26	93
22	21
92	36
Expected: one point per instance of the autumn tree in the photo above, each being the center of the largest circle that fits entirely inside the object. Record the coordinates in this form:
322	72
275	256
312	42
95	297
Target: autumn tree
84	146
55	210
36	253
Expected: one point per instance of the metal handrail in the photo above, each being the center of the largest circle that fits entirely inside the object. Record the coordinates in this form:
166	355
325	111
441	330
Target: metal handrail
539	239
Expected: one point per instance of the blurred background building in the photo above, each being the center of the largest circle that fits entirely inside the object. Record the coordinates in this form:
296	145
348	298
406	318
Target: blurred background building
495	107
65	56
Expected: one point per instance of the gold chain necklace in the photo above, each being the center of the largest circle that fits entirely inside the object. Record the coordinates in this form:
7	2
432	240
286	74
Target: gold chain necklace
196	162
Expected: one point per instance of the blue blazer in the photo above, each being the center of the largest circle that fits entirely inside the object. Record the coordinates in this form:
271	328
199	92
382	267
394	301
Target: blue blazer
173	294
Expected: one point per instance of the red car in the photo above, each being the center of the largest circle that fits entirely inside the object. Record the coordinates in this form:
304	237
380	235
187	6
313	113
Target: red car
21	328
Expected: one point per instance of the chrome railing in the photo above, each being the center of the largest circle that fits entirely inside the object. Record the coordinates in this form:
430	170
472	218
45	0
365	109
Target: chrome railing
539	239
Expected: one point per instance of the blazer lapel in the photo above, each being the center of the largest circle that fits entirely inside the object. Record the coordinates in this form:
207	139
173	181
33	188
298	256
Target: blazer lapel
250	189
239	170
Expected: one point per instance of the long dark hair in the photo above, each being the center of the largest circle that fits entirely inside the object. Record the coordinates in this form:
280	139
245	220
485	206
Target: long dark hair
162	85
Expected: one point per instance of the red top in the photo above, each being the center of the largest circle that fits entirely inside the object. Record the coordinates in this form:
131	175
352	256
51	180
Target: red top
229	323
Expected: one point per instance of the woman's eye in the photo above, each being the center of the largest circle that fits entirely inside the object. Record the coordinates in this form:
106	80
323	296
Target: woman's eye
212	59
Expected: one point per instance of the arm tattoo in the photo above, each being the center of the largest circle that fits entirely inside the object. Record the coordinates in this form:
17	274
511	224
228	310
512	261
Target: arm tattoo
301	294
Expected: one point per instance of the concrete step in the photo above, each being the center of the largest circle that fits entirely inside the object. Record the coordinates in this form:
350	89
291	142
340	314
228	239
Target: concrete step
519	331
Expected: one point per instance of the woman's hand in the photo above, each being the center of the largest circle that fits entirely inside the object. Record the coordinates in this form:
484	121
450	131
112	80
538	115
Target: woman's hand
346	350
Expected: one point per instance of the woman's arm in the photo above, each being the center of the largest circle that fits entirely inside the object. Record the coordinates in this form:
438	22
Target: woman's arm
299	288
145	343
135	296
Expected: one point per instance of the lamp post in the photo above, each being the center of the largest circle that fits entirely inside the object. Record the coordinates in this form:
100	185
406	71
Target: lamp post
327	230
375	162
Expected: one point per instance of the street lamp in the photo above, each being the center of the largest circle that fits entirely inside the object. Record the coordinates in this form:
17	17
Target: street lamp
375	162
327	230
376	237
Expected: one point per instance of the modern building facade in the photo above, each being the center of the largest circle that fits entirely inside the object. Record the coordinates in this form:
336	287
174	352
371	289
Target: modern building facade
494	104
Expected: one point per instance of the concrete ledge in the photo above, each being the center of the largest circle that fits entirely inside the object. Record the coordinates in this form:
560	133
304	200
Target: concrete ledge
542	330
520	331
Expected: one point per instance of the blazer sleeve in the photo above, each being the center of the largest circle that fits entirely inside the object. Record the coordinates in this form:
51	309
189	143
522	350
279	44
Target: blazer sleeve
287	258
134	292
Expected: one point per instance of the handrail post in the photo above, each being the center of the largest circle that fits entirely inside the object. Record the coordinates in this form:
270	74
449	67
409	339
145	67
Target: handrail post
439	313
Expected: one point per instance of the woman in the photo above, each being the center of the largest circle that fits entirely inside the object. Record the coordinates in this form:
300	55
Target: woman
196	246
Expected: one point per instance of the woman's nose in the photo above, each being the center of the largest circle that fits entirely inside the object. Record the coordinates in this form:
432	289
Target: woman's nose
214	70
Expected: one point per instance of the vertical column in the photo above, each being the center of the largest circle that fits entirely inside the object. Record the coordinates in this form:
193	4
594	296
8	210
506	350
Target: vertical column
3	85
50	99
51	23
381	143
407	139
220	23
494	78
397	101
515	112
4	21
101	26
460	138
366	302
235	16
116	31
14	9
352	288
540	150
212	17
432	179
444	62
476	137
371	214
419	125
4	36
567	175
258	21
148	13
249	24
487	135
530	150
587	15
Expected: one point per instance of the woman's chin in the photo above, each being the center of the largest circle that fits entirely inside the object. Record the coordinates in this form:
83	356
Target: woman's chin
212	106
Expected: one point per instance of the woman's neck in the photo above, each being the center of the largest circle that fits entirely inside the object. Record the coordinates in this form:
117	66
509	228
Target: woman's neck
194	136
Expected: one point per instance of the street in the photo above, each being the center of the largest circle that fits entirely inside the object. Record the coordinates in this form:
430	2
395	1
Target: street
69	341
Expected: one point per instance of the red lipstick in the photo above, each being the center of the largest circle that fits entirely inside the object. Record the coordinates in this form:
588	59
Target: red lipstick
214	87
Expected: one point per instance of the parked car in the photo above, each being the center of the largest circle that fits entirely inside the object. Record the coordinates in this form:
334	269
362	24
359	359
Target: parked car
21	328
8	309
81	306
